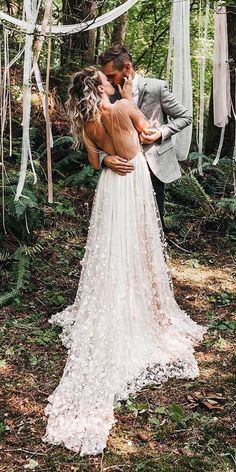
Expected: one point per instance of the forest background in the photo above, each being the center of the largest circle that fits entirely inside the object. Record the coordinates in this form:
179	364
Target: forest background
185	425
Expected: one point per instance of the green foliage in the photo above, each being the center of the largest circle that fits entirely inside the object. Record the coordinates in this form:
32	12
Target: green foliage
55	299
87	177
189	188
59	143
20	275
70	162
64	208
176	413
43	337
228	204
224	326
21	216
196	203
17	271
3	428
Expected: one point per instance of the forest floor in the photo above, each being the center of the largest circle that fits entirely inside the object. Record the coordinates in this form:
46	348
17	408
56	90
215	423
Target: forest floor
182	426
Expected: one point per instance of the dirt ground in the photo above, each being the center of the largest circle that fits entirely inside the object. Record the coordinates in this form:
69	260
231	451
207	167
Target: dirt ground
180	426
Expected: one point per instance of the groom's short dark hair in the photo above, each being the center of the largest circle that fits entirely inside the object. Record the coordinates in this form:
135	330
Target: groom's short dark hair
116	53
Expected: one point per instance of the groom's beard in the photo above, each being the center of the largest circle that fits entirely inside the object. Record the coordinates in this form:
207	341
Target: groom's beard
122	82
116	96
116	85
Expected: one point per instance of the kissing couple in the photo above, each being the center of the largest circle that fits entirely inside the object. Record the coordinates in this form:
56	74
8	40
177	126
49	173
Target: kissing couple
124	329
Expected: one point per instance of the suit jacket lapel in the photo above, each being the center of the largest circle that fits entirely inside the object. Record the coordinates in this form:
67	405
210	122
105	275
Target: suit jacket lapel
142	82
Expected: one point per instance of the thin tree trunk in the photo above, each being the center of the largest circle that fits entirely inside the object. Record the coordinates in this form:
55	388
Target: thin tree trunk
119	29
77	50
12	8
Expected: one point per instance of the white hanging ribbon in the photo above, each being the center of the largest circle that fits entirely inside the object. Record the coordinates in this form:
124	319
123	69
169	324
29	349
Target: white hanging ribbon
42	94
234	113
221	72
222	136
234	151
38	48
71	29
221	76
4	103
30	12
198	71
40	40
182	75
170	50
202	88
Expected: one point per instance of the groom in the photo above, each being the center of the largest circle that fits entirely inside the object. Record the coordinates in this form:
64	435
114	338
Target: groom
157	103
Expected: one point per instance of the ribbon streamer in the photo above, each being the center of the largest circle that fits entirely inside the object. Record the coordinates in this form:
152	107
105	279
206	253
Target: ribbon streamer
30	12
221	76
221	71
71	29
202	88
182	75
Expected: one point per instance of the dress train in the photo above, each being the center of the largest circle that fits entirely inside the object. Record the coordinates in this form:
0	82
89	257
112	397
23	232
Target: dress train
124	329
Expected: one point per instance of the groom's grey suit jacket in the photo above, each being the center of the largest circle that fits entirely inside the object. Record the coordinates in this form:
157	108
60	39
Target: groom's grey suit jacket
157	104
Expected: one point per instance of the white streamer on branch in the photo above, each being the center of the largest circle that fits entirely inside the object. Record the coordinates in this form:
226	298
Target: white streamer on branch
221	76
30	12
202	88
71	29
182	75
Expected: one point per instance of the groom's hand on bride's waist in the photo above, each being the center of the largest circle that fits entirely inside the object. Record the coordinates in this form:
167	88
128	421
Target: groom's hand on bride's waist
118	164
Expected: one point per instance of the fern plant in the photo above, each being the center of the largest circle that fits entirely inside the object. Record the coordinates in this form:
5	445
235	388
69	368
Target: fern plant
21	216
19	271
20	277
87	177
196	203
189	190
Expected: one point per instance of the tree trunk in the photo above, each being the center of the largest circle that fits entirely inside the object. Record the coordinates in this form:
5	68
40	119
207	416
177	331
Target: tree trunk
213	132
77	50
12	8
119	29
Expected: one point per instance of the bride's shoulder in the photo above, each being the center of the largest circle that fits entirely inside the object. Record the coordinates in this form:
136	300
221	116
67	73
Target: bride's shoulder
123	103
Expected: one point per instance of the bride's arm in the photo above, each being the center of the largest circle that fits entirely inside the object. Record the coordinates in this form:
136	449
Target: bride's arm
138	119
92	151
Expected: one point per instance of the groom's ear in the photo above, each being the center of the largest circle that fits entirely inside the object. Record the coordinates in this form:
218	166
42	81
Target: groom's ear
127	68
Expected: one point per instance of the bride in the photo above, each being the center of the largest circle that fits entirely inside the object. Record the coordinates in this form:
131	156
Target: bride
124	329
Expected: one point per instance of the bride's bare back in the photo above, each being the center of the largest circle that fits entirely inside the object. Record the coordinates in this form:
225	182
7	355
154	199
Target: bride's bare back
115	131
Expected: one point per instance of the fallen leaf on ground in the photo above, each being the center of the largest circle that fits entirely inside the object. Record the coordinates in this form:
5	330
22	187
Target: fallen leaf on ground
143	436
31	465
210	400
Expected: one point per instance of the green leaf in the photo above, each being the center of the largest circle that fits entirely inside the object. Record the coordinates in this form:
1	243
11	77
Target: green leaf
176	412
161	410
154	420
33	360
10	351
31	465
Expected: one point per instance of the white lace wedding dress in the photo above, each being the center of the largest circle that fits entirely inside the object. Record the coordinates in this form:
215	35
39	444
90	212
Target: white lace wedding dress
124	329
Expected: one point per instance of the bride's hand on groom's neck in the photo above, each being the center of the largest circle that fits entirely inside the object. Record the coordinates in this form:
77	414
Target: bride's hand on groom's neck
126	90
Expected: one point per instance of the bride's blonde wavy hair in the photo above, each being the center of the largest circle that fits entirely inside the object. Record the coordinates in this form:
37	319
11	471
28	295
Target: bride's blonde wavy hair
84	100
